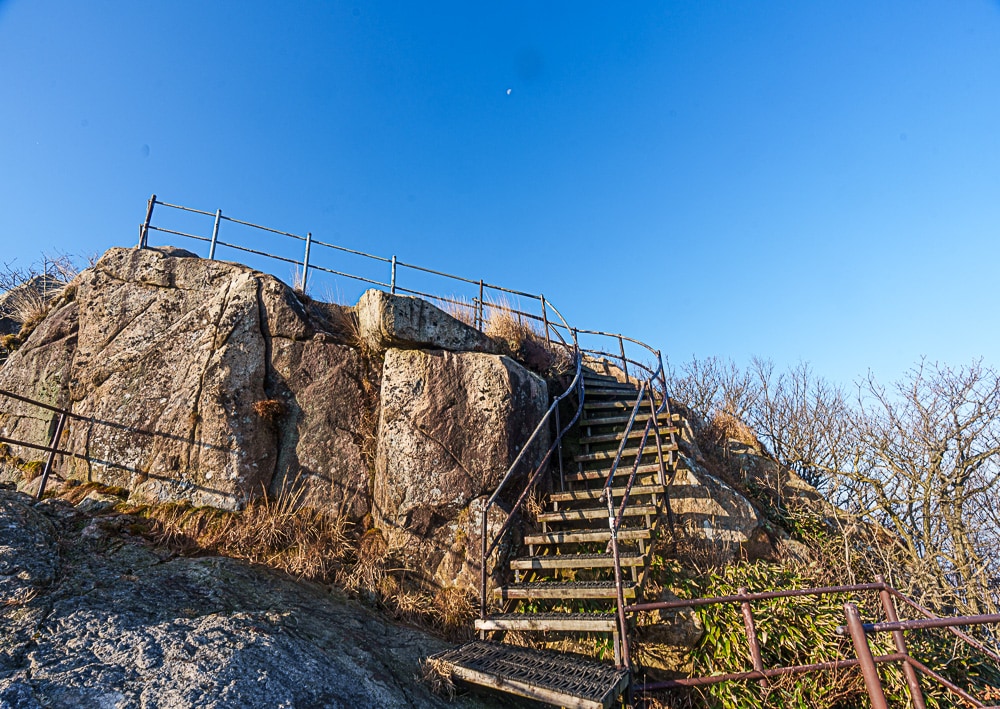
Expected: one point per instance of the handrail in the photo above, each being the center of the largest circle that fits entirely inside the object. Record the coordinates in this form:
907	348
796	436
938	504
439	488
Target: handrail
616	517
60	417
488	547
854	626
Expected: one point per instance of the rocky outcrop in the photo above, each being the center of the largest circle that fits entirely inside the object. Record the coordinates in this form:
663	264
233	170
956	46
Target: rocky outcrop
186	377
386	321
93	615
450	426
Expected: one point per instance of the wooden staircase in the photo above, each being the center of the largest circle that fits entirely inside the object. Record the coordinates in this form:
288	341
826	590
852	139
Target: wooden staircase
564	588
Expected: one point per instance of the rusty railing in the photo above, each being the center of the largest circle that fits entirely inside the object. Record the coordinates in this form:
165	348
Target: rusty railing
858	631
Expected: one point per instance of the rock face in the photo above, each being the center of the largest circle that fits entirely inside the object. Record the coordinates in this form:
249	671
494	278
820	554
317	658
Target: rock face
450	425
92	616
186	376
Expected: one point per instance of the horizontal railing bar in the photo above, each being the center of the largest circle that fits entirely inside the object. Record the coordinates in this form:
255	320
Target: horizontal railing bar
751	597
26	400
765	674
178	233
262	228
184	209
347	275
923	624
352	251
35	446
957	632
258	253
437	273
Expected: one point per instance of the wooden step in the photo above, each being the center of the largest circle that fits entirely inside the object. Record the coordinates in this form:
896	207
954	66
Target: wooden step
614	404
565	622
625	394
576	590
623	419
594	513
596	535
650	449
624	469
608	384
556	678
595	494
576	561
634	433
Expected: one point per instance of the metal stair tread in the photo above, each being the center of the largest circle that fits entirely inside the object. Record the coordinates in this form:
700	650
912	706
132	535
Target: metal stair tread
558	678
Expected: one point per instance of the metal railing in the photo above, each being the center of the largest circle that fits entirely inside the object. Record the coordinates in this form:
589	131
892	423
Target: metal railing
858	631
51	448
485	296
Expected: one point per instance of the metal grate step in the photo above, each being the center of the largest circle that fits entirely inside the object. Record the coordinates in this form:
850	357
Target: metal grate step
552	677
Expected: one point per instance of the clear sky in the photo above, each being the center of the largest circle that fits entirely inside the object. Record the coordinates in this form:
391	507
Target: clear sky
803	181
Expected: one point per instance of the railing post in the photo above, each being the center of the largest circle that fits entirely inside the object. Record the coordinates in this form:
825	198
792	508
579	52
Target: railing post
53	442
215	235
864	653
758	663
144	232
545	320
392	282
562	478
482	312
912	681
621	346
623	661
305	261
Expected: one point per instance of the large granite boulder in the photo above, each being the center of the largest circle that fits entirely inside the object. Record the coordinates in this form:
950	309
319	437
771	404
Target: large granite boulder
450	426
195	379
386	320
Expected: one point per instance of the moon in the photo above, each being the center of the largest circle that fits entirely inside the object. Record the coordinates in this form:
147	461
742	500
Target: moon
508	92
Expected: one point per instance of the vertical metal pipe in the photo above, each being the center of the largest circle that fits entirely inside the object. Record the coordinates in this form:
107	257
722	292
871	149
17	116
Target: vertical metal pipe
864	653
620	594
215	235
912	681
562	478
545	320
656	432
482	570
305	261
392	283
144	232
482	313
621	346
53	444
758	663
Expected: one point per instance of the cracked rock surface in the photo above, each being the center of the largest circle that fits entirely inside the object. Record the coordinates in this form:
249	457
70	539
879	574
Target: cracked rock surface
93	616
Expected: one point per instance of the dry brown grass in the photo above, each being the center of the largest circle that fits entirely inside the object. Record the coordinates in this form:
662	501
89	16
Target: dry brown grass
518	338
269	409
460	309
724	427
436	675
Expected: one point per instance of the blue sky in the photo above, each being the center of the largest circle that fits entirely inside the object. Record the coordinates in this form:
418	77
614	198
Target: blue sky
811	182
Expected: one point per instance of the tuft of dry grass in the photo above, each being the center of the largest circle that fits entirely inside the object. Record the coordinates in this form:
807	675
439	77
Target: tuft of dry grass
461	309
269	409
723	427
518	338
437	677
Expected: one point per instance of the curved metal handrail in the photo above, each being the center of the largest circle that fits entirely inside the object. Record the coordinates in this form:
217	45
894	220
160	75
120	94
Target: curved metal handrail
490	545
